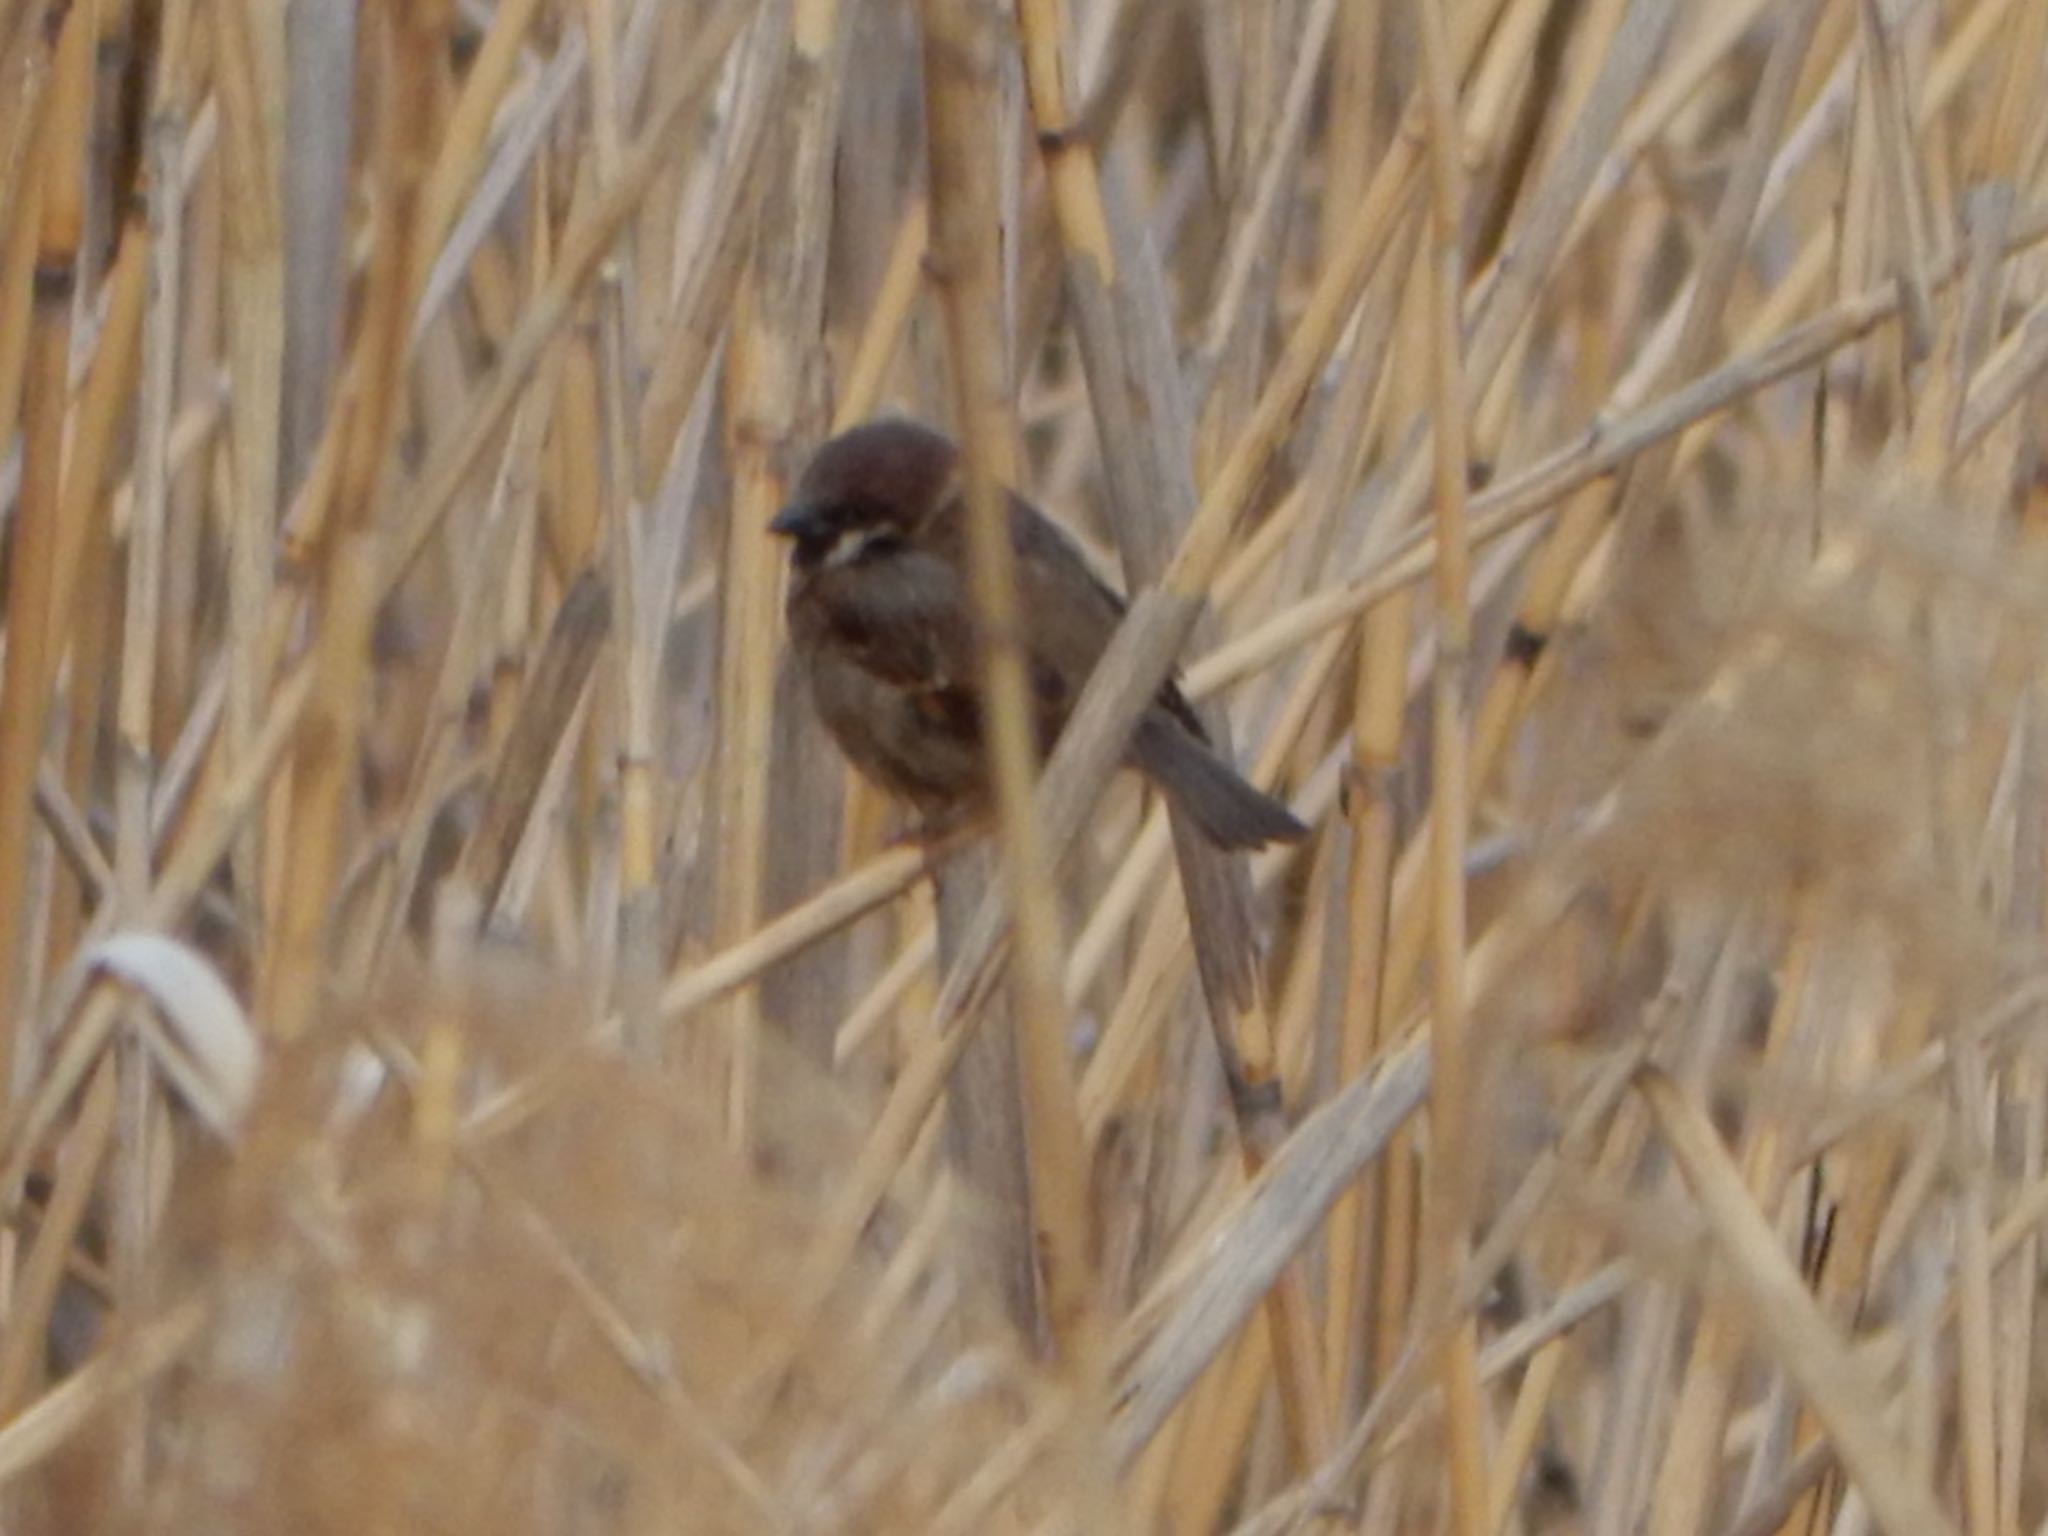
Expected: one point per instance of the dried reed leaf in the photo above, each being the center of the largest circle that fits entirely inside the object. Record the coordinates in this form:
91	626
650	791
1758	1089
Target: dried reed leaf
210	1050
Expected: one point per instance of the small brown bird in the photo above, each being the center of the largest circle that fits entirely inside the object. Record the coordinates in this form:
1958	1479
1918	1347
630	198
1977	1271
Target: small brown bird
882	624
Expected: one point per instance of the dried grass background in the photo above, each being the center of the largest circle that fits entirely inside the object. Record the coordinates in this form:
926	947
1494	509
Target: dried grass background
475	1061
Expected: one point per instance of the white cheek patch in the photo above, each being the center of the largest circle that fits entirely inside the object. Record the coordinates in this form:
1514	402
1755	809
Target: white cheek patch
854	544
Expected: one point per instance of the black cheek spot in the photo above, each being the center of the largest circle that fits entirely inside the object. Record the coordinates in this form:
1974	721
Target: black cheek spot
811	550
1525	646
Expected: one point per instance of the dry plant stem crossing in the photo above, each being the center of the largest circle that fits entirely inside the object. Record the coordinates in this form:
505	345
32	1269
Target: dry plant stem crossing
1137	660
1149	476
1603	447
1265	1225
212	827
576	262
959	80
86	588
1500	309
31	1436
346	582
1689	1475
604	230
1780	1308
1160	618
36	1290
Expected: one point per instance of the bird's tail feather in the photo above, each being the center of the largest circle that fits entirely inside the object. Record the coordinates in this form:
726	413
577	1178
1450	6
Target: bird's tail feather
1230	812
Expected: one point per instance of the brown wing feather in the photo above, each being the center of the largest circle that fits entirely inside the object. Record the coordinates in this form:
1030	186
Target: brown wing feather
1056	578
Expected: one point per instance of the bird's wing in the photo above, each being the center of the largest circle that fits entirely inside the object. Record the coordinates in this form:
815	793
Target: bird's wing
1055	578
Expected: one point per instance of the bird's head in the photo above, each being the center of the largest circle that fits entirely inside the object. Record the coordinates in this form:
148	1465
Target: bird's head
867	493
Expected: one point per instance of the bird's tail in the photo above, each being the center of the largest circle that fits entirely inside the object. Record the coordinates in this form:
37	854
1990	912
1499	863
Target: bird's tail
1230	812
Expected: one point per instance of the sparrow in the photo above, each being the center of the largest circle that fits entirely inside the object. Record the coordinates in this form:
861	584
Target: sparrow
881	624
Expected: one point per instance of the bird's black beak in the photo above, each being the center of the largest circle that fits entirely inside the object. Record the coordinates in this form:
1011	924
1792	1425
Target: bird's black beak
796	521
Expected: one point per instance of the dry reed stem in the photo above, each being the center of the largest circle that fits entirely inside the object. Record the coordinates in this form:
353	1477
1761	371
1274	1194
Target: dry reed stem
701	308
1603	447
319	113
43	1272
903	275
1358	1230
24	190
1244	1249
86	570
780	314
148	544
1454	1151
30	667
1780	1308
39	1430
464	136
1148	480
84	524
584	246
346	586
561	674
1687	260
960	97
1689	1477
251	169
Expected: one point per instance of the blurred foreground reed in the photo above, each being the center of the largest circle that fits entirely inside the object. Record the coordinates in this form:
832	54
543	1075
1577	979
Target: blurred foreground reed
475	1061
